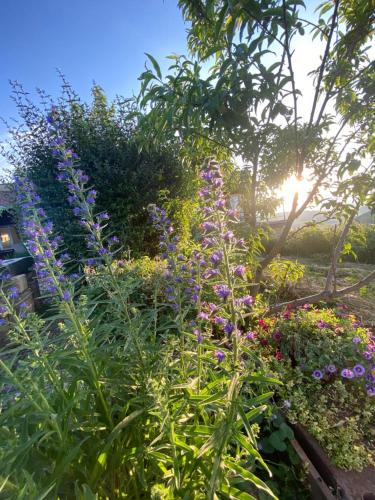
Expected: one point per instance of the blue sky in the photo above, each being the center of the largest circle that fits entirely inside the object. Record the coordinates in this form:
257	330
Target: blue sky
101	40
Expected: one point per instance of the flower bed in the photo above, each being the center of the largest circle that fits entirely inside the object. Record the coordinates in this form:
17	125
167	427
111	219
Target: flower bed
325	358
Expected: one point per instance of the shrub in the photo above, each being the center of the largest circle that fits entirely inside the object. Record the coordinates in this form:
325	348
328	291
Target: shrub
312	241
106	138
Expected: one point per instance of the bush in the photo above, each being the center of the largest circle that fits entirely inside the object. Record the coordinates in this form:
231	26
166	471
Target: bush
105	136
313	241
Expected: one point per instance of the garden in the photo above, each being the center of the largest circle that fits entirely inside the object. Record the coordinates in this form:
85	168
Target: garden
173	351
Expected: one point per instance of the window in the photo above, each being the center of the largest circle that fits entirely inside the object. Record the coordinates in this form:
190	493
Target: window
6	240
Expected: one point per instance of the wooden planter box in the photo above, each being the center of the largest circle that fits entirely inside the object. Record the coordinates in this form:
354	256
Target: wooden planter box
327	481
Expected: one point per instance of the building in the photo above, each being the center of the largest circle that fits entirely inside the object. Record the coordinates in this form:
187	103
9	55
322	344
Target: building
11	245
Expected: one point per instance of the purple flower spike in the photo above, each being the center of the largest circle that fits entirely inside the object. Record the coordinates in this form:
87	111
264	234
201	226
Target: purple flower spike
66	296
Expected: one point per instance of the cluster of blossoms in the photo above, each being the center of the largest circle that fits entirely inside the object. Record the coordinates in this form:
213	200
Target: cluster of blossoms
50	261
181	274
81	197
214	265
364	371
223	252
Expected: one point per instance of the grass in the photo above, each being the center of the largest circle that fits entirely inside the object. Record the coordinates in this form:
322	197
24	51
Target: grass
348	273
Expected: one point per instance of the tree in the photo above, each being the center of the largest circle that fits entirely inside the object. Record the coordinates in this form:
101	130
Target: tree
104	136
250	102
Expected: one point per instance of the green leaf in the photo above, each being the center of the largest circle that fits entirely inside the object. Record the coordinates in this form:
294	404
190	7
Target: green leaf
247	475
155	64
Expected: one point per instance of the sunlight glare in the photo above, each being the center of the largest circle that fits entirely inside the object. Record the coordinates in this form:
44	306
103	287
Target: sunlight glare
290	186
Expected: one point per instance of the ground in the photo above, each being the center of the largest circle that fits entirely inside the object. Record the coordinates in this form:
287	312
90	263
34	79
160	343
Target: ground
362	303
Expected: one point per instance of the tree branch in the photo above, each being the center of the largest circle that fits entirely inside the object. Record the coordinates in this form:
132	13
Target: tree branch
323	295
323	63
337	251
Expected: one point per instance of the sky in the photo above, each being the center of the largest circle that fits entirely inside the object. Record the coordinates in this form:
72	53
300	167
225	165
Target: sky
105	41
88	40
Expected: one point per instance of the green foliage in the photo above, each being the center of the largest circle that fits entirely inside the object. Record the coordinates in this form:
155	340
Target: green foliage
104	135
312	241
247	102
283	275
337	411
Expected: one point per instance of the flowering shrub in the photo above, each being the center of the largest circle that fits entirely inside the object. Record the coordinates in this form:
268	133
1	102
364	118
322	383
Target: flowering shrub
326	359
111	396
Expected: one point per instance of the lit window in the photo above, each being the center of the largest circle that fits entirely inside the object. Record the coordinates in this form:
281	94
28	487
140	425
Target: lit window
6	240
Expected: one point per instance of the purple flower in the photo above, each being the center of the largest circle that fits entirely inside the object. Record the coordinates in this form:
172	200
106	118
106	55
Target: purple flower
277	336
220	204
219	320
208	242
198	335
203	316
2	322
13	292
331	368
317	374
322	324
103	251
219	355
216	258
222	291
367	355
210	273
66	296
229	328
228	235
359	370
120	263
251	335
209	226
240	271
212	307
370	389
356	340
3	309
347	373
103	216
247	300
204	193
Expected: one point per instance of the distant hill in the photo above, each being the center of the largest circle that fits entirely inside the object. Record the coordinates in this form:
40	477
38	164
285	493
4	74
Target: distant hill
365	217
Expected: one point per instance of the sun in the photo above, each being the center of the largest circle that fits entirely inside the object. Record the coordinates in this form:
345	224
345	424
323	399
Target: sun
288	189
